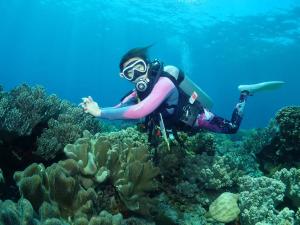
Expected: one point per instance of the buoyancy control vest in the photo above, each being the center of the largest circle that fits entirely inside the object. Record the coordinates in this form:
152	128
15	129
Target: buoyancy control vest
191	100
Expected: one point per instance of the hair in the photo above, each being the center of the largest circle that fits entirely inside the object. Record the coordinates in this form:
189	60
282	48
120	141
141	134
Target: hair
141	52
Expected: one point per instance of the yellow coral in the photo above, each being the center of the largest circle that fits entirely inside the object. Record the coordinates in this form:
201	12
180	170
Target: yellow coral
225	208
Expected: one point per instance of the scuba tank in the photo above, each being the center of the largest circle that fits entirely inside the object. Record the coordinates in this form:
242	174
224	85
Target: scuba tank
192	99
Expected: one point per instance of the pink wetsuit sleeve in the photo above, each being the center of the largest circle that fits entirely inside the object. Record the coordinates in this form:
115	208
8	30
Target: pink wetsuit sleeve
129	98
160	92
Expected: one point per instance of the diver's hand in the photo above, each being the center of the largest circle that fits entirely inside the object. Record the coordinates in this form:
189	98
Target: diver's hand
90	106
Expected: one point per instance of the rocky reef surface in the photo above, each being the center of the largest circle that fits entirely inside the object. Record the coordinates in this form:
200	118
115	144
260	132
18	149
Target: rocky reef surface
61	166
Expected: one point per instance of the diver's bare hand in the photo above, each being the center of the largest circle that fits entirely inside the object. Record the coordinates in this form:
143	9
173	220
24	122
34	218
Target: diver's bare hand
90	106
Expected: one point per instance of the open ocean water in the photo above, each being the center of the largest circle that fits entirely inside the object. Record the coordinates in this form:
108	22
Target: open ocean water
73	47
61	166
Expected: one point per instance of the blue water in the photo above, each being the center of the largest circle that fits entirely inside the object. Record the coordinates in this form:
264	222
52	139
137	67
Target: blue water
73	47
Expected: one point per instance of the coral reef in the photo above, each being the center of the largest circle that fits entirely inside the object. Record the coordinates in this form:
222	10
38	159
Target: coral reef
288	120
284	147
104	218
22	213
199	142
66	190
43	123
258	201
225	208
260	138
59	186
67	128
213	173
24	108
121	160
16	214
291	178
109	178
187	189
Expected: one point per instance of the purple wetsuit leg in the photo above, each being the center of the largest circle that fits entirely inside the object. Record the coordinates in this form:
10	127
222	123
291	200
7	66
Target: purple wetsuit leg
209	121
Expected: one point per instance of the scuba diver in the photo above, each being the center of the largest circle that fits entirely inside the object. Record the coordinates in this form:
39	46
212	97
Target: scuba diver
169	100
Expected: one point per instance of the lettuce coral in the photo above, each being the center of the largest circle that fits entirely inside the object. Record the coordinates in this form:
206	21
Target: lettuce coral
58	185
124	162
20	213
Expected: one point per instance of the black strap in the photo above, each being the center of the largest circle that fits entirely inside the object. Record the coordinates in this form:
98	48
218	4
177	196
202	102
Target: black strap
180	77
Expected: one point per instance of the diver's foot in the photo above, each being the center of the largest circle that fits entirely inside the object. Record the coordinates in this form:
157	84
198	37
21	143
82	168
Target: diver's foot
250	89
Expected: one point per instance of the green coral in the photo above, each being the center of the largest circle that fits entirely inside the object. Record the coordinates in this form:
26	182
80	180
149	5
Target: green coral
291	178
258	139
284	147
121	160
198	143
213	173
258	200
288	120
22	213
45	123
25	107
225	208
58	185
104	218
67	128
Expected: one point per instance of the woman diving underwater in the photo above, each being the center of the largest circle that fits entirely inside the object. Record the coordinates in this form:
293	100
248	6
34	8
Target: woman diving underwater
165	94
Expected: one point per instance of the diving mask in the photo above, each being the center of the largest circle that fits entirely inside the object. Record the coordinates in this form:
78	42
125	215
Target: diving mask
134	70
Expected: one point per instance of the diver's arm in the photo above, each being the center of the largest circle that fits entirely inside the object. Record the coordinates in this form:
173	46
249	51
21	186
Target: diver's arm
160	92
92	107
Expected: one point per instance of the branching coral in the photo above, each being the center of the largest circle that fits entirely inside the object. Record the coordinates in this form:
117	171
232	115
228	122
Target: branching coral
288	120
258	200
291	178
198	143
45	123
125	163
212	172
284	148
24	107
67	128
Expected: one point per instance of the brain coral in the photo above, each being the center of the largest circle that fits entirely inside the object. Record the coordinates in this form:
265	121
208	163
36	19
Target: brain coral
225	208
